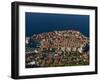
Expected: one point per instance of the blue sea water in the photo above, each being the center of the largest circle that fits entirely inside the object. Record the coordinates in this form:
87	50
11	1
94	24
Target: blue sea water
45	22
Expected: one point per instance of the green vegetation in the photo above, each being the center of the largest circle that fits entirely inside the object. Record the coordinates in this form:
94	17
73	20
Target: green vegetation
50	59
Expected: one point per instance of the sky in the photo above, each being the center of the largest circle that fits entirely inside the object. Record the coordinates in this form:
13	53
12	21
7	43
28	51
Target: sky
46	22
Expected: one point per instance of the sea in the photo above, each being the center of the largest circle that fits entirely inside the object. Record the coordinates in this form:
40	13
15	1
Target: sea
46	22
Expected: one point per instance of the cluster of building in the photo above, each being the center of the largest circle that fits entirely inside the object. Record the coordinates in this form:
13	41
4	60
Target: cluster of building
57	48
65	40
